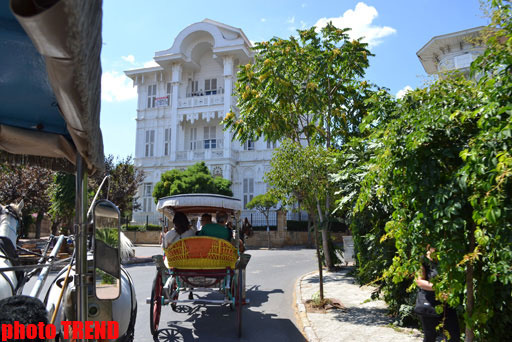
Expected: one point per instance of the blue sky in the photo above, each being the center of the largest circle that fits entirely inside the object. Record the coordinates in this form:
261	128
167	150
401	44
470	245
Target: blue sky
395	29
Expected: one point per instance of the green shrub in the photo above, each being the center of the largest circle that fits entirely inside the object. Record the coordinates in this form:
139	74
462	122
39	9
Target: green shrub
141	228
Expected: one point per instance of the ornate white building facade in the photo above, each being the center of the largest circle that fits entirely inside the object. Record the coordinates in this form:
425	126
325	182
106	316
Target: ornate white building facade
181	103
452	51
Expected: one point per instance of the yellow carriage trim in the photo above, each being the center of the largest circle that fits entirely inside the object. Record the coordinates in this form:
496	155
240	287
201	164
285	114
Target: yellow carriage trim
196	253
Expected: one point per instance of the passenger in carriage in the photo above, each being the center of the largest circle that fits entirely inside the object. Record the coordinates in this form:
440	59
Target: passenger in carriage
219	229
205	219
181	230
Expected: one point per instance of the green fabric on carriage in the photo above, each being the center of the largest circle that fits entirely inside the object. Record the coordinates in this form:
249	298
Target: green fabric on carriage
201	253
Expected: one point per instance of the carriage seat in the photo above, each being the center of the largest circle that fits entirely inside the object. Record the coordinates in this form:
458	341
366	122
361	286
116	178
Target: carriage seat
201	253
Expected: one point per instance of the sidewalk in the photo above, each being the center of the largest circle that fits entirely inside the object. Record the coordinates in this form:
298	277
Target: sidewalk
362	319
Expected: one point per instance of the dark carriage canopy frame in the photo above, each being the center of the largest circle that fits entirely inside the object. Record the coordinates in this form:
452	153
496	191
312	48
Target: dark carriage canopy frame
198	204
50	93
50	84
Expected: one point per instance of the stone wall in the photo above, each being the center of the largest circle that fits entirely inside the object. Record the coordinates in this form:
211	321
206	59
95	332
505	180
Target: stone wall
148	237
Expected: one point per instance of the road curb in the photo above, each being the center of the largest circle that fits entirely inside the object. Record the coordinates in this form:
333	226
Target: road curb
300	310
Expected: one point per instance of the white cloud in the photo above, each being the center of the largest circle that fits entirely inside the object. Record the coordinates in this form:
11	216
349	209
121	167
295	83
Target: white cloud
360	21
303	25
291	20
401	93
130	59
263	20
116	87
303	5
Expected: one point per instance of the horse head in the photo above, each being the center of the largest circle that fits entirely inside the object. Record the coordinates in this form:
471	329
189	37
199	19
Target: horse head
10	216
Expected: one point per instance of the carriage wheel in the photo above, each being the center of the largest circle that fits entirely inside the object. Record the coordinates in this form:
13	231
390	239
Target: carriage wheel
174	287
156	304
232	293
239	302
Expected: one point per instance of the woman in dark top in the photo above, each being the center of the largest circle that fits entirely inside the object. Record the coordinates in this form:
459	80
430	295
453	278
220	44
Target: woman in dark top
449	316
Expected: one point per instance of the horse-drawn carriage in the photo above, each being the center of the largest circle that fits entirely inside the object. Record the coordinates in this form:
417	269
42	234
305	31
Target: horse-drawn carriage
49	116
200	264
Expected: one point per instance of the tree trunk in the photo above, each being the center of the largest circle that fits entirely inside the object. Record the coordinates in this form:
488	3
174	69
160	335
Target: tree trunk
39	219
325	240
309	232
55	225
268	231
325	231
470	301
320	273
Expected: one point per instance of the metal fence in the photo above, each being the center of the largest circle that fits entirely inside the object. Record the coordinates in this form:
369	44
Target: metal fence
257	219
141	218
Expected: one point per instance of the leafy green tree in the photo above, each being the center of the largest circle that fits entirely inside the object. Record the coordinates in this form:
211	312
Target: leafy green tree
263	203
122	185
195	179
29	183
308	89
441	163
299	173
374	255
62	198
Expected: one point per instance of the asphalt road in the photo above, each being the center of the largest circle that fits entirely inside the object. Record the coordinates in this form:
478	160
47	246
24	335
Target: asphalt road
271	277
270	316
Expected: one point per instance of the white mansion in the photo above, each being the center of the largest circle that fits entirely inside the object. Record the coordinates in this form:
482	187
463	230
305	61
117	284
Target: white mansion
181	103
451	51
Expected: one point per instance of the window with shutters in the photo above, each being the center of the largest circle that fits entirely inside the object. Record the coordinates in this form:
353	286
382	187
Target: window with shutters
167	141
151	95
248	189
249	145
147	198
169	91
209	137
210	86
192	88
193	138
150	143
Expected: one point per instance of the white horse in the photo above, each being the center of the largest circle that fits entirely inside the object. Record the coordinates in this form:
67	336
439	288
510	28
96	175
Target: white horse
9	220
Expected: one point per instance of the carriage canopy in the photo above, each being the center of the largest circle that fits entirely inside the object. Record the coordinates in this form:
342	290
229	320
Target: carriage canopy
198	204
50	83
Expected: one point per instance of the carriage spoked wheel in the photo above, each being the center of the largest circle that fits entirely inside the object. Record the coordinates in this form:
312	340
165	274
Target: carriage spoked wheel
239	302
232	293
156	304
174	287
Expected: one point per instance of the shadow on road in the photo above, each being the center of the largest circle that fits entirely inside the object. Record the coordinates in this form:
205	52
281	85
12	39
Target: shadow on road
219	323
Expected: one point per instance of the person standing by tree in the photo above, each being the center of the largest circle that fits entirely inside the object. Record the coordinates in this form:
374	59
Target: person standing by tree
448	317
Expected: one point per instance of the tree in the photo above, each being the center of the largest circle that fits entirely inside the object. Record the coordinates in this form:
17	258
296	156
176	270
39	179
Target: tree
263	203
307	89
62	197
441	163
300	173
124	181
29	183
195	179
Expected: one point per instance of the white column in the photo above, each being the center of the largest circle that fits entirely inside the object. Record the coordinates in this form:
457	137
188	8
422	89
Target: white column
175	81
228	89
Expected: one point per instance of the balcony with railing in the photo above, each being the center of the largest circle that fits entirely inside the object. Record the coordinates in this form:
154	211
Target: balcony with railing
198	101
203	150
